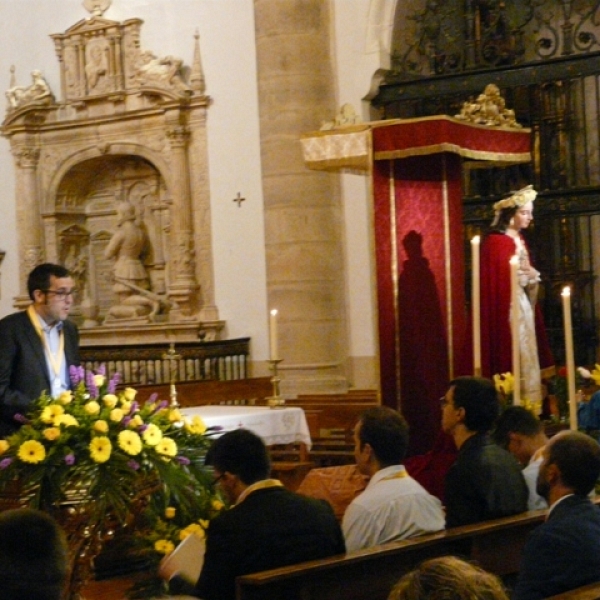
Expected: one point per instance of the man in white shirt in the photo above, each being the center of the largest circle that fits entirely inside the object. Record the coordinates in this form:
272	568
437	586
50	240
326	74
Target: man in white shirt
393	506
520	432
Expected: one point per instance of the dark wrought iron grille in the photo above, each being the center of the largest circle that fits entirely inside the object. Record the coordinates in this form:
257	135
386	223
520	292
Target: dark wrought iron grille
544	56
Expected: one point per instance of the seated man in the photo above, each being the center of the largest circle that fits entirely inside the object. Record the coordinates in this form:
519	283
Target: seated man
393	506
486	481
563	553
33	556
522	434
268	526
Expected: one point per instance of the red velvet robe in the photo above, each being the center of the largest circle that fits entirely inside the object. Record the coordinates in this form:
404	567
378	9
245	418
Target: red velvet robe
496	339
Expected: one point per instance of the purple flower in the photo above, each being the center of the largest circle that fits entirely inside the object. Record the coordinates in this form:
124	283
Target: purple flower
21	418
132	464
143	428
70	459
152	399
101	370
5	462
75	374
126	421
114	382
183	460
162	404
91	386
135	407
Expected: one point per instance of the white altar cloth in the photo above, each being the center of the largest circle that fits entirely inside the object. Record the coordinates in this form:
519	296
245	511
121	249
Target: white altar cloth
284	425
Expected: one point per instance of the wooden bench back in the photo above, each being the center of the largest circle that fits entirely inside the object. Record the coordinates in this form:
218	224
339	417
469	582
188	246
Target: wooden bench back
370	574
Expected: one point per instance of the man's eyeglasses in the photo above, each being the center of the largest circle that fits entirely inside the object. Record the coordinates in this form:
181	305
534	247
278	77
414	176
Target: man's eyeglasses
61	294
217	479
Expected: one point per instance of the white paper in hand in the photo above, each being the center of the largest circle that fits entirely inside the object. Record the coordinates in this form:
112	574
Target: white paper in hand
187	559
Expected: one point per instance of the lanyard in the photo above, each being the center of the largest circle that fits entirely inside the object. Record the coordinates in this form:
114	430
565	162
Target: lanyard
398	475
55	358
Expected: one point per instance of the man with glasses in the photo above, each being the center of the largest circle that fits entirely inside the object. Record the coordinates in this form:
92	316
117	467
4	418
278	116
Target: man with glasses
38	345
486	481
268	526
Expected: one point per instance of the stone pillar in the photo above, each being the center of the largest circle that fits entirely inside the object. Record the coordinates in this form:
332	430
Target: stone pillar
31	245
182	281
303	218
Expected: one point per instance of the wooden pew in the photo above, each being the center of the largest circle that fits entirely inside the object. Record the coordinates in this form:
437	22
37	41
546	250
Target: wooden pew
370	574
587	592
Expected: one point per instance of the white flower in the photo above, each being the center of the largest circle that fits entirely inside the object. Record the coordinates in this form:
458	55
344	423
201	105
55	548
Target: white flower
584	372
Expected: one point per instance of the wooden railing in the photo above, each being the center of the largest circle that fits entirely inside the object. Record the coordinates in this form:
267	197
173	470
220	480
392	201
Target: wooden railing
151	364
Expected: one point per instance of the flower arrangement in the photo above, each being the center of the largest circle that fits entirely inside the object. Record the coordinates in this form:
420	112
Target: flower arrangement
97	446
505	385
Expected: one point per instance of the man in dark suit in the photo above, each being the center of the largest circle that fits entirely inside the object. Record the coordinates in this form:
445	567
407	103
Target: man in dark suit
38	345
267	527
564	552
486	481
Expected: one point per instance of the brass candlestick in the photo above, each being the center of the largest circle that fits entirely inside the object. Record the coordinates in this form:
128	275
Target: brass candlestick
172	357
276	399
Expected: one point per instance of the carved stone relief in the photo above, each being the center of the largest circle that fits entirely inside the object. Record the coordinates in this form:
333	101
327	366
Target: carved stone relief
107	183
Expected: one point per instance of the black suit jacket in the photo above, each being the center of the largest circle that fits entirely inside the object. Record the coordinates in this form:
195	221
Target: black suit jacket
563	553
271	528
23	369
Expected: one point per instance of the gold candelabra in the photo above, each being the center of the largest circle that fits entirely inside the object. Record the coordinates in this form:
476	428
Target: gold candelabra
172	357
276	399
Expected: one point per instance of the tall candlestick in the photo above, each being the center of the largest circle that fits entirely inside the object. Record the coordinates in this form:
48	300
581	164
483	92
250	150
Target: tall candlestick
274	352
566	300
476	305
514	328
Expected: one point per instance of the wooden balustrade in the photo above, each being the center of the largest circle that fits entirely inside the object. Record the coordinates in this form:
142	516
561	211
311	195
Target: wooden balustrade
151	364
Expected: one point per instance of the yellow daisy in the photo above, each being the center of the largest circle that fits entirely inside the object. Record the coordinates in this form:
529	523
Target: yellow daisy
51	413
196	425
130	442
191	529
164	546
66	420
4	446
152	435
167	447
170	512
100	449
32	452
51	433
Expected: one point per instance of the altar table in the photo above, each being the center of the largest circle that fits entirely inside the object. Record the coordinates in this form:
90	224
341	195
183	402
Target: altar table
282	425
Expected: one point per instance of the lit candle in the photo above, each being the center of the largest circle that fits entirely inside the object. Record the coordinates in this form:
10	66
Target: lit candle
514	328
566	300
273	335
476	305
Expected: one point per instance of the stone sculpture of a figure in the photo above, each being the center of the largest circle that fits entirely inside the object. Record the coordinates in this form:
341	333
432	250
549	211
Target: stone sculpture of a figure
36	93
128	245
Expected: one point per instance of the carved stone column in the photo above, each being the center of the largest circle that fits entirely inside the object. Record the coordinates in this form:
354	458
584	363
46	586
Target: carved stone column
182	281
305	265
28	215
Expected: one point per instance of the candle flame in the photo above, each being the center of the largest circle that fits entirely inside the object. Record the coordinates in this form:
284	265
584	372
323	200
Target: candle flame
274	312
566	291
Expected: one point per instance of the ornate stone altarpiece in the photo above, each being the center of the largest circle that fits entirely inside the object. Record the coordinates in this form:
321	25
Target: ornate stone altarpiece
125	147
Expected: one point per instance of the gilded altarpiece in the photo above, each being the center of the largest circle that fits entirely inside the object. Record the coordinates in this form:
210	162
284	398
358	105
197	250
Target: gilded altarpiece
122	155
